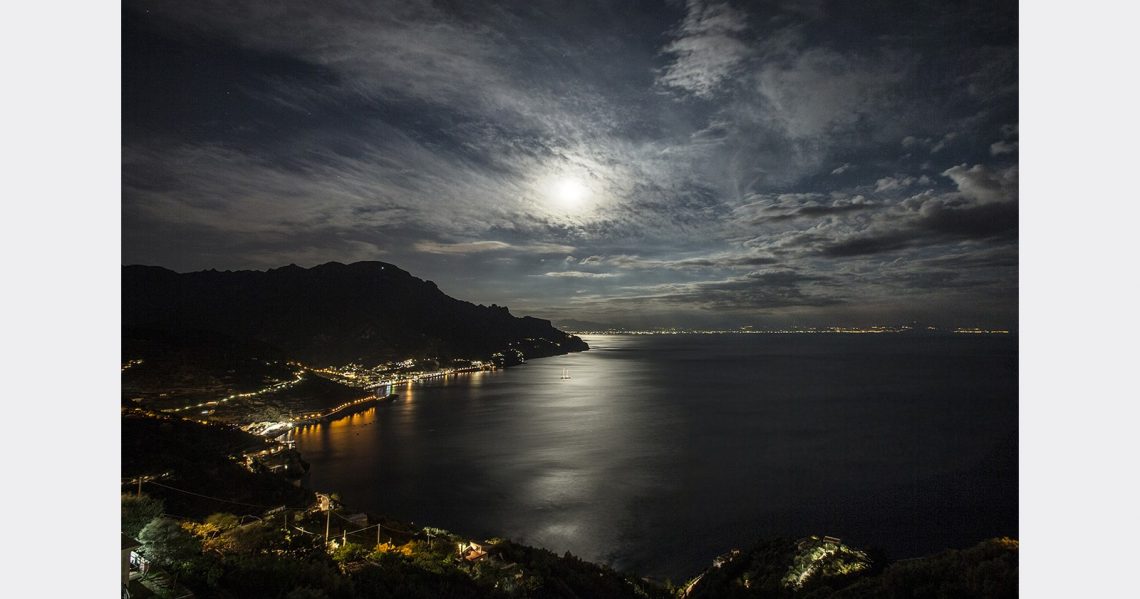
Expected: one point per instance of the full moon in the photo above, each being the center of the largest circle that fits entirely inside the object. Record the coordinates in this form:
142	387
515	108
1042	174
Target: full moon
570	192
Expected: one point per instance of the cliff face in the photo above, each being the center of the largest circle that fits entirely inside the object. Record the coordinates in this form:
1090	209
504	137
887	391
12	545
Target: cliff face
365	312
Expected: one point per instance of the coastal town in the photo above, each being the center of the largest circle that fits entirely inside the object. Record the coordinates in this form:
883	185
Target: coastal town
364	387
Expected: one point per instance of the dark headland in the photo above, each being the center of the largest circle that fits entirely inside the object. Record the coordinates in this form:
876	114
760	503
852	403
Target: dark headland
332	314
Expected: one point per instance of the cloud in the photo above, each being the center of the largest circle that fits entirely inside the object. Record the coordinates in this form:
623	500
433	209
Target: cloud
433	247
1003	147
928	143
942	143
983	184
411	48
819	92
995	78
983	258
980	221
764	208
715	261
707	50
839	170
578	274
1008	142
892	183
984	208
222	188
475	247
899	182
835	208
935	219
244	192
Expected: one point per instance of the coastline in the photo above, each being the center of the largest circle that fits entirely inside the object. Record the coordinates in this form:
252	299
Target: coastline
280	430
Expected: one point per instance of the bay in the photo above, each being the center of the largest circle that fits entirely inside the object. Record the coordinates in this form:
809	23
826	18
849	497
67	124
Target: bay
660	452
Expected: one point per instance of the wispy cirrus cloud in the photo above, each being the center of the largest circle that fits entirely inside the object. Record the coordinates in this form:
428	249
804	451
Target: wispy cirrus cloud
900	182
771	208
708	48
819	91
579	274
475	247
714	261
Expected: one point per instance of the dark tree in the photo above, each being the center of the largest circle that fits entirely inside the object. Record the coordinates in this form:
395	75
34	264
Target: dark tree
138	511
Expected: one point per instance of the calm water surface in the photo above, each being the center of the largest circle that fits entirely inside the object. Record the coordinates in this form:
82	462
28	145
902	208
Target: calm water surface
663	451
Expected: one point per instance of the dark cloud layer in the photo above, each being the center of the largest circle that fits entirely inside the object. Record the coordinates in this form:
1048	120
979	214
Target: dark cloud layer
638	162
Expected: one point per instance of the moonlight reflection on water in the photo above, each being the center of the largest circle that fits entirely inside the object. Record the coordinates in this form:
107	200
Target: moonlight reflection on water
661	452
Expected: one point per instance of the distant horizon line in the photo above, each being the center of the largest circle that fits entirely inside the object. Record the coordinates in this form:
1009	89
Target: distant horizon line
793	330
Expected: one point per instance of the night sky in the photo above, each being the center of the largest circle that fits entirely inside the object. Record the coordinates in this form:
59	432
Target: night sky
620	162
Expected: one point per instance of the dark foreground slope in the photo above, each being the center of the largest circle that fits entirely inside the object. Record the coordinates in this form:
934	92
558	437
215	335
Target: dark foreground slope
366	312
818	567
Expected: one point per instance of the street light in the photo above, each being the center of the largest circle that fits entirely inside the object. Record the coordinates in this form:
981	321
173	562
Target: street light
326	506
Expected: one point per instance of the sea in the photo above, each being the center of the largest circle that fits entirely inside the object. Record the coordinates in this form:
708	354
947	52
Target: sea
660	452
